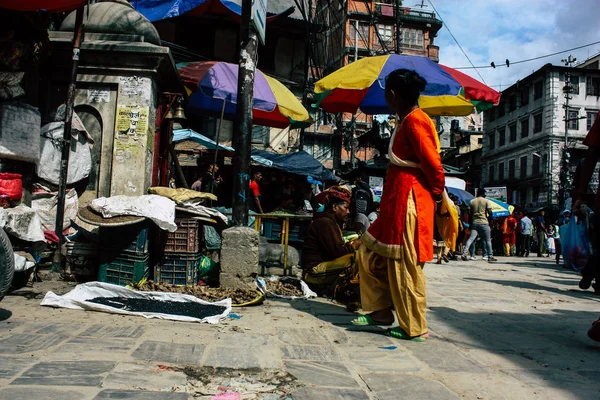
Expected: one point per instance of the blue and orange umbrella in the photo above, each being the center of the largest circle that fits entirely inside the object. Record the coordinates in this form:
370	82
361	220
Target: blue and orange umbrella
361	85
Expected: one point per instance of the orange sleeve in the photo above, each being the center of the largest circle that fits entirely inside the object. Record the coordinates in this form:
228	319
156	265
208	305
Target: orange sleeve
423	140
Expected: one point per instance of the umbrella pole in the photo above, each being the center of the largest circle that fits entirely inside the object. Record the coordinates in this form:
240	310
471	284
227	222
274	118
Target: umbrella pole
217	141
66	141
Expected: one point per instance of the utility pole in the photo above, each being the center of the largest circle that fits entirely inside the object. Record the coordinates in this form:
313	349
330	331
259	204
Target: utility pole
308	51
398	4
242	131
66	139
565	170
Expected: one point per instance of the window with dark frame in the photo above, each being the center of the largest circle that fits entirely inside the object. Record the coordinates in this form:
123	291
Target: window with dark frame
524	128
535	165
573	122
501	137
523	167
574	84
501	172
501	109
537	123
511	169
591	118
491	114
492	141
524	96
538	89
512	103
492	174
512	129
260	135
592	86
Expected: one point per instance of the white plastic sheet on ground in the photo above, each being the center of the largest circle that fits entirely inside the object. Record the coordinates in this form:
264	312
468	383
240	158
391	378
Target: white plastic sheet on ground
77	299
262	286
157	208
23	222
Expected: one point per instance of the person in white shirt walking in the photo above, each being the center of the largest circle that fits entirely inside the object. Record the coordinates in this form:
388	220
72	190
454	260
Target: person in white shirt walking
526	232
481	213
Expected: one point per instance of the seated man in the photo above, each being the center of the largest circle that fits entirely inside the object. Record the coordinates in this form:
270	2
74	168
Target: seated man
325	255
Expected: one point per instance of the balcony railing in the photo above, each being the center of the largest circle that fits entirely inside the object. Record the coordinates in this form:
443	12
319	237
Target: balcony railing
387	10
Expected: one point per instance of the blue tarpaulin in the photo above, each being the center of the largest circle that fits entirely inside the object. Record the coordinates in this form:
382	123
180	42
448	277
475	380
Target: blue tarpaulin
300	163
156	10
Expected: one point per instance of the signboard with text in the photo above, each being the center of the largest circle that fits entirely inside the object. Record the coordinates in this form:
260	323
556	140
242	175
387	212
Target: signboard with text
496	193
259	18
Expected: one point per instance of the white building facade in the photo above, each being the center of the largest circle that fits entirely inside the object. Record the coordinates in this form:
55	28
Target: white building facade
525	134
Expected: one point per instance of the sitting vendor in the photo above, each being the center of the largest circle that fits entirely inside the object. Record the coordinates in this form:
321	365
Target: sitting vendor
325	255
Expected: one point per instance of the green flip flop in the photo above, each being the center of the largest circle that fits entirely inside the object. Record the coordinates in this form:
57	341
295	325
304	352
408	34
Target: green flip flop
367	320
398	333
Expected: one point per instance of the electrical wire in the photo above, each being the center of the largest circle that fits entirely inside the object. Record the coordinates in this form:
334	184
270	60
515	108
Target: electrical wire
532	59
458	44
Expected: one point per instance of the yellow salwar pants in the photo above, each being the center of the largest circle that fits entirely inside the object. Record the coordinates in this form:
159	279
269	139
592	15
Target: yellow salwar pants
397	282
509	249
327	272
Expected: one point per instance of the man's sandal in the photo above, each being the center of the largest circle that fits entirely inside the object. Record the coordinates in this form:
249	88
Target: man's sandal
367	320
398	333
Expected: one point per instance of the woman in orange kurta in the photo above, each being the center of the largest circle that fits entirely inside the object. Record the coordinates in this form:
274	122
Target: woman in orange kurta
399	242
509	230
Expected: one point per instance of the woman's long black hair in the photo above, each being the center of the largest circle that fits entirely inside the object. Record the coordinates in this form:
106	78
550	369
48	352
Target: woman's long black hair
405	83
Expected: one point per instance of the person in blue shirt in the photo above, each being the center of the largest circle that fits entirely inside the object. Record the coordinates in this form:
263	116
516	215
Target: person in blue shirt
526	230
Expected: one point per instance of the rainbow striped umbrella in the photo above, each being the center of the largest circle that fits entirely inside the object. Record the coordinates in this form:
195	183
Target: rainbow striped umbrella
210	84
362	85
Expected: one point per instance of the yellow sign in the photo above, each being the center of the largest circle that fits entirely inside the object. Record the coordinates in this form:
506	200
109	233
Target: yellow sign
132	120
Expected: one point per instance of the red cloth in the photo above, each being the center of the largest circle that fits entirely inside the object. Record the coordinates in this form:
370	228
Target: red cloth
593	140
254	188
416	140
509	229
49	5
335	192
593	137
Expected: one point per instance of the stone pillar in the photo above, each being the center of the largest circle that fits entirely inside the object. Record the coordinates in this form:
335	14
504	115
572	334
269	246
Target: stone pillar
239	257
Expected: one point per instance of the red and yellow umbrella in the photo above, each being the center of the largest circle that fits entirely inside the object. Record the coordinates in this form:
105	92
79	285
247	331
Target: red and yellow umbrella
361	85
48	5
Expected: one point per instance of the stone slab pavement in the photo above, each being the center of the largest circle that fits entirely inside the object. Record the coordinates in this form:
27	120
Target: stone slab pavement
515	329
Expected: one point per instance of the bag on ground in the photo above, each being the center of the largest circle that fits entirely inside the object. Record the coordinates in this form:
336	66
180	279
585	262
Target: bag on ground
575	243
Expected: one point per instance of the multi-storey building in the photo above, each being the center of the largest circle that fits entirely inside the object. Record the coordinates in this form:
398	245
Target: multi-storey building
462	145
355	29
525	134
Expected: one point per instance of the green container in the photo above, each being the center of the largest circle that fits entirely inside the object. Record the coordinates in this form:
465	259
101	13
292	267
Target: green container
123	268
178	269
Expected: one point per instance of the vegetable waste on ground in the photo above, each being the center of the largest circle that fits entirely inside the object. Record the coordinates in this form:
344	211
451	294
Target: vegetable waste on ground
237	296
283	288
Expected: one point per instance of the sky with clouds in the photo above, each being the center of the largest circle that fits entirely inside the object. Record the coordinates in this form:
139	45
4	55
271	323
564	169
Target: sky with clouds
496	30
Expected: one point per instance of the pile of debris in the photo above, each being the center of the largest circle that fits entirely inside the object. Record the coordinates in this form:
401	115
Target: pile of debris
237	296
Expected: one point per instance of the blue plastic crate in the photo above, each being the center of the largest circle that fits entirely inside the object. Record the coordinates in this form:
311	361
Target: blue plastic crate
178	269
273	228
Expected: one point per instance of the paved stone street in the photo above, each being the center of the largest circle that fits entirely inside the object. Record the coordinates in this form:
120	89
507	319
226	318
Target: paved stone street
515	329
